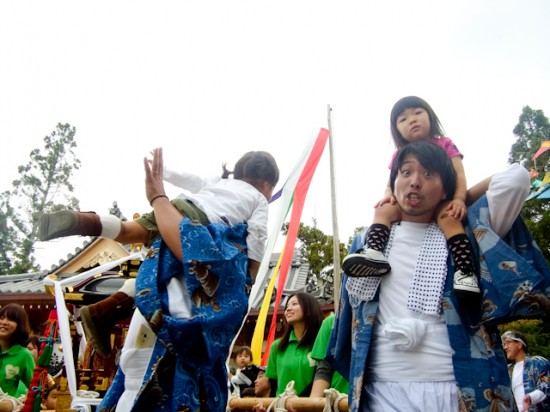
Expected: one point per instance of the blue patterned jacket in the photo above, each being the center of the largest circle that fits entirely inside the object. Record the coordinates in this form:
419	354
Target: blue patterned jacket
536	375
515	281
187	369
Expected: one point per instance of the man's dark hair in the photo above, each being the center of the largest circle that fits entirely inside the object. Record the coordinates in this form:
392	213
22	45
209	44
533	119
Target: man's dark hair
517	337
433	158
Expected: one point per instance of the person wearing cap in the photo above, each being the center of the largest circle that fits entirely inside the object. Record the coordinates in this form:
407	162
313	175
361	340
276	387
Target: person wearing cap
262	386
529	374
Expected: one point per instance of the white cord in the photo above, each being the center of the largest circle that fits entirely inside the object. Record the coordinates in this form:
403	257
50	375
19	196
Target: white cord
333	398
280	402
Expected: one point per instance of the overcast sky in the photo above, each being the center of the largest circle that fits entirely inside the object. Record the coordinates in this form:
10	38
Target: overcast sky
210	80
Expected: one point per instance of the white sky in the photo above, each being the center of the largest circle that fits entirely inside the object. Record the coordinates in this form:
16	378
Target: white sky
210	80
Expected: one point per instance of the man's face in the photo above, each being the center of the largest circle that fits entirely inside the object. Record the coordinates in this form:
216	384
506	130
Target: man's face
262	385
418	191
512	349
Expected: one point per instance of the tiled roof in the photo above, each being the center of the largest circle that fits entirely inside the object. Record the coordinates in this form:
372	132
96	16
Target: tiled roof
32	283
296	280
86	242
27	283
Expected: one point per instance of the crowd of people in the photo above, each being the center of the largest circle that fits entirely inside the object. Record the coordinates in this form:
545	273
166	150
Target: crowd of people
423	291
20	351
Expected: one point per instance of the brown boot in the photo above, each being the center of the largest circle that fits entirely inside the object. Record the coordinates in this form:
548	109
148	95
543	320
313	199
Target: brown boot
67	223
100	318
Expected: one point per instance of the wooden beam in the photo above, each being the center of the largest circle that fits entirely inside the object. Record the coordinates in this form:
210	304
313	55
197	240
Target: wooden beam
299	404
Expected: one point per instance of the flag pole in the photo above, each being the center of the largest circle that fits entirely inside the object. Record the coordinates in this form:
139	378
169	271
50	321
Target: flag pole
335	237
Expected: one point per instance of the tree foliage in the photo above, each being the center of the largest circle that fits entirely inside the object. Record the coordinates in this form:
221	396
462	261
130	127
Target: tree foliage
355	233
316	247
537	333
533	129
43	185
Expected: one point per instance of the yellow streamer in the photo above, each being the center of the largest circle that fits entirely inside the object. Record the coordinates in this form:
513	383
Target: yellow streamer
258	336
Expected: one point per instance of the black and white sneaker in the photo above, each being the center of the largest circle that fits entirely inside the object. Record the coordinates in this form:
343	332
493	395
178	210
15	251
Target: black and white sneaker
465	283
367	262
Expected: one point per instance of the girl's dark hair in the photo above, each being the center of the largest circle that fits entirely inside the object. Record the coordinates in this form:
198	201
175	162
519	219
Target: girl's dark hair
17	314
436	130
34	339
254	167
313	317
433	158
244	349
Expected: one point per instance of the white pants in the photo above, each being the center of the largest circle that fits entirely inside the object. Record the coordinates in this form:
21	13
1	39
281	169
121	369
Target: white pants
134	359
411	397
140	340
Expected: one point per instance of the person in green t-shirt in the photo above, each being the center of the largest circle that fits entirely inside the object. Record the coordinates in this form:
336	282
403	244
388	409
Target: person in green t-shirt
16	361
325	375
290	356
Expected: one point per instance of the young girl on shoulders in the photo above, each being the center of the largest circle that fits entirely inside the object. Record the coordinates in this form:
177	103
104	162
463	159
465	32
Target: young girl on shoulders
412	120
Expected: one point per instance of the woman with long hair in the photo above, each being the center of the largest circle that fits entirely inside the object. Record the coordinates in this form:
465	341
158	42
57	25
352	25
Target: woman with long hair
290	356
16	361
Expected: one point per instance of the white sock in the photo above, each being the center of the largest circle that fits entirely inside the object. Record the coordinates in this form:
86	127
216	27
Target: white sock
129	287
110	226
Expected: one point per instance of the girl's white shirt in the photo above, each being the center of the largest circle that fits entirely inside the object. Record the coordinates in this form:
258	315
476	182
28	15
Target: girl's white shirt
227	201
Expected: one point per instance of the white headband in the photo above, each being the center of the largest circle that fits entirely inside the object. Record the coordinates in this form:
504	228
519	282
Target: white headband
510	336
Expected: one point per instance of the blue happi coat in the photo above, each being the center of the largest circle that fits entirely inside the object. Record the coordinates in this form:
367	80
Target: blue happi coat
187	370
515	282
536	375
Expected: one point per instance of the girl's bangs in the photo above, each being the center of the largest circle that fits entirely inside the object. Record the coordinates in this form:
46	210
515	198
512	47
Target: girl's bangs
406	103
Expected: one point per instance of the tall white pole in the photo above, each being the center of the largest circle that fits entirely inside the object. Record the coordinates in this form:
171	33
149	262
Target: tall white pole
336	239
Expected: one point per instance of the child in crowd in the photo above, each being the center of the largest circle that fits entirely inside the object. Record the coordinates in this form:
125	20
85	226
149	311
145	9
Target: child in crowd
51	394
243	199
412	119
33	345
246	372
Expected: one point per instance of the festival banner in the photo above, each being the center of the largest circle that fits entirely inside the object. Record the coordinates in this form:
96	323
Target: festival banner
299	198
543	148
293	192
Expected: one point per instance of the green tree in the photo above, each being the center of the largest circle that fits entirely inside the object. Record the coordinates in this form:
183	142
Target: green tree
532	129
316	247
537	333
43	185
355	233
